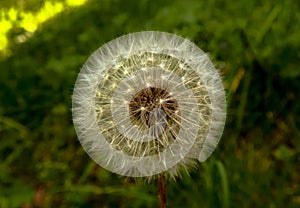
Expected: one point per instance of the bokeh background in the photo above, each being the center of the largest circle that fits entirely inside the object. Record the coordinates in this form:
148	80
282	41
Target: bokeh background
256	46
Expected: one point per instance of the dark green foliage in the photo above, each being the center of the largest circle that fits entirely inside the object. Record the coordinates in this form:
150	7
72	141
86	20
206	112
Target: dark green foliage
255	44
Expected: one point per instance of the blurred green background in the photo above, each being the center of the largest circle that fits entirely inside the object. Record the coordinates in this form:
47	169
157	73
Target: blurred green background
256	46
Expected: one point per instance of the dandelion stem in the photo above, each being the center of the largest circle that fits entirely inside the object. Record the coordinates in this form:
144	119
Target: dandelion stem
162	191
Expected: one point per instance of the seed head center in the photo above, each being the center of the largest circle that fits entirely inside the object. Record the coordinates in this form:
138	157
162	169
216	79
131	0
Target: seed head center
149	99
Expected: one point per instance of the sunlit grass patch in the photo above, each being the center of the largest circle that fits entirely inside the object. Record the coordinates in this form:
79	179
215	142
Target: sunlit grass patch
29	21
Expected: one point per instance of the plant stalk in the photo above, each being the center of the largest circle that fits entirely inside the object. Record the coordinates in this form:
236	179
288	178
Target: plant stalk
162	191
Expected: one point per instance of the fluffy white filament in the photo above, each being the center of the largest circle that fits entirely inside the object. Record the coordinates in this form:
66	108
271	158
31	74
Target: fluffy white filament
147	102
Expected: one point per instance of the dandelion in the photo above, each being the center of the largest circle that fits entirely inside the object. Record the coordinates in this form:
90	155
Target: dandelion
148	103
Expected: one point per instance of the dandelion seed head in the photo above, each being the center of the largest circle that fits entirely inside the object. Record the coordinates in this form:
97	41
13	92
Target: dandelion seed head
147	103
